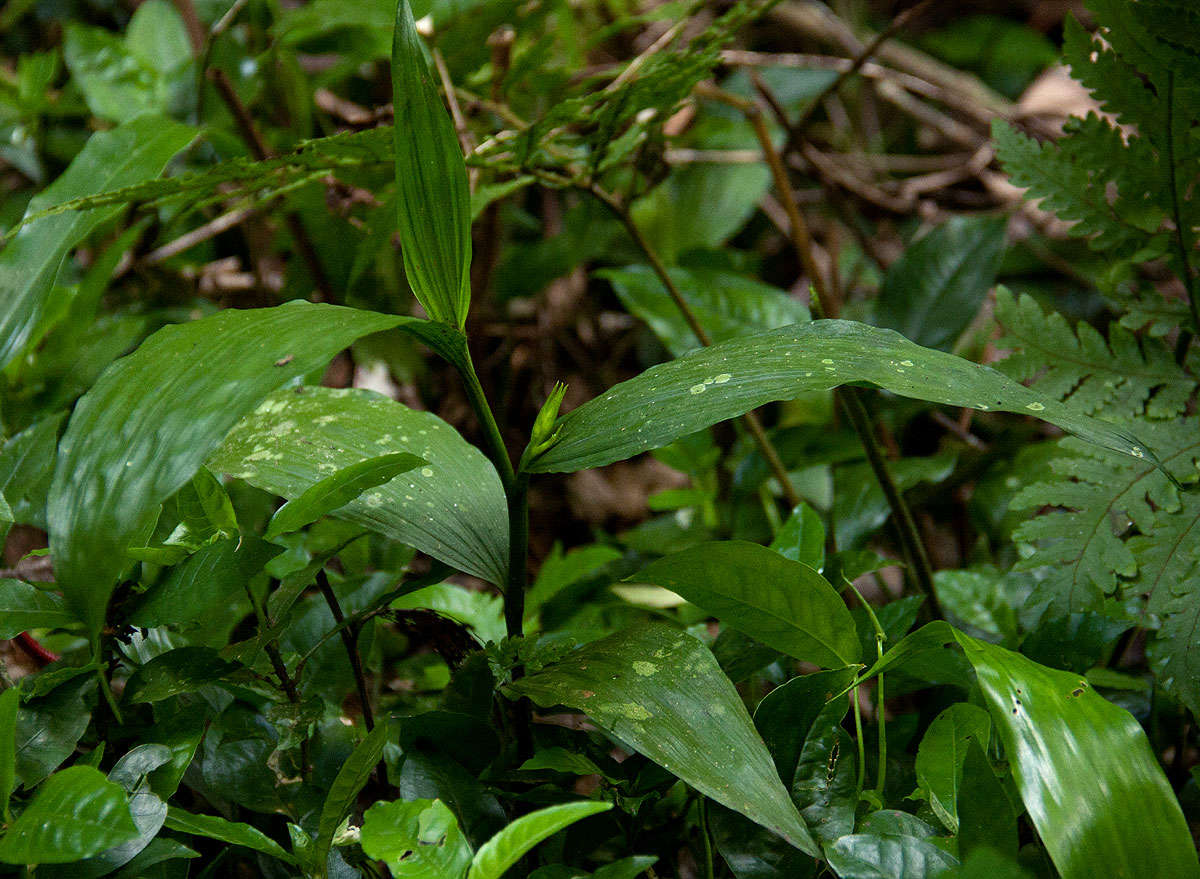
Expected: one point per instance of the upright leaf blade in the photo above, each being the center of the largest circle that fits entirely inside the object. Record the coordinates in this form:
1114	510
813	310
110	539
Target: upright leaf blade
662	692
508	846
128	154
350	779
784	604
699	389
942	753
431	183
141	432
453	508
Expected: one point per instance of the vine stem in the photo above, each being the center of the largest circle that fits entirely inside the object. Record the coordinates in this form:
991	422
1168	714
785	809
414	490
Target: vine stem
749	420
706	835
851	402
350	642
278	665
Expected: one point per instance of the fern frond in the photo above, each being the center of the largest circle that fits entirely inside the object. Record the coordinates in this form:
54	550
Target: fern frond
1100	502
1121	376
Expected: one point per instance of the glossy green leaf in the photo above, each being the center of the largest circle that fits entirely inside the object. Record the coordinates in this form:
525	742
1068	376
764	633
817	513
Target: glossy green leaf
48	728
784	604
824	786
177	671
431	183
339	489
786	714
662	692
419	839
29	263
351	779
1090	782
942	753
674	399
24	607
204	509
752	852
148	813
727	305
231	832
865	856
801	538
508	846
10	700
986	819
933	292
453	508
75	814
160	850
144	429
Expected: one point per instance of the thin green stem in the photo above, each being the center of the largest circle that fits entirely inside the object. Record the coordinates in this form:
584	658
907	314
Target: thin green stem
497	452
861	776
705	835
518	541
881	724
749	420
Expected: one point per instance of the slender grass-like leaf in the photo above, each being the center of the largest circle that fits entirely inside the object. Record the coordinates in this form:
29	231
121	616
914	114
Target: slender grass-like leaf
231	832
431	183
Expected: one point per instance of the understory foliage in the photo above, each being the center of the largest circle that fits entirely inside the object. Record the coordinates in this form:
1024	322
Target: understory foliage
530	477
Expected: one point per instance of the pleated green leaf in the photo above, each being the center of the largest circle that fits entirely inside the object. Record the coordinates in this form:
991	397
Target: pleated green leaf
431	183
682	396
146	426
784	604
131	153
452	507
661	691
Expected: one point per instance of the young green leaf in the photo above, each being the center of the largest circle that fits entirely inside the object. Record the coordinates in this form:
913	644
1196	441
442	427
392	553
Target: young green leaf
77	813
662	692
29	263
339	489
784	604
177	671
942	753
431	182
418	839
146	426
675	399
508	846
23	606
231	832
453	508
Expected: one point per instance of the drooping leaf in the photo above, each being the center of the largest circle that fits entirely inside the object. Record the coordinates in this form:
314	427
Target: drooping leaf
933	292
351	778
231	832
508	846
29	263
786	714
339	489
75	814
431	181
148	813
784	604
23	607
453	508
824	785
662	692
675	399
942	753
146	426
418	839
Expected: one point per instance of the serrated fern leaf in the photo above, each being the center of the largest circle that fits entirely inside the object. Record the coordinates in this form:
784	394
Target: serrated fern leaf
1099	502
1121	376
